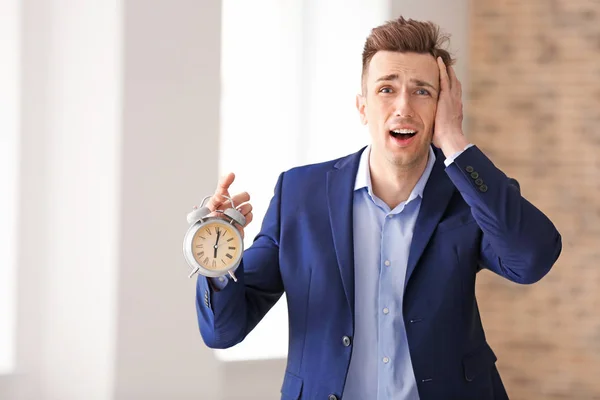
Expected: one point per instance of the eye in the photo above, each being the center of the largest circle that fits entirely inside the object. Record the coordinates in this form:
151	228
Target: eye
385	90
423	92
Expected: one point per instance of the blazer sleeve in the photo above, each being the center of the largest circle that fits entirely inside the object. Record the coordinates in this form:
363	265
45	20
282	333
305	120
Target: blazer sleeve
519	242
225	317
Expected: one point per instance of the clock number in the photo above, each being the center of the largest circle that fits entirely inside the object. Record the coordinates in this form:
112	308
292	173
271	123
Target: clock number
229	256
230	239
208	230
232	248
206	261
218	230
214	264
200	246
200	254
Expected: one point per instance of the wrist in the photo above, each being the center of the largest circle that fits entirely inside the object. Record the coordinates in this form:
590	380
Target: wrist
453	144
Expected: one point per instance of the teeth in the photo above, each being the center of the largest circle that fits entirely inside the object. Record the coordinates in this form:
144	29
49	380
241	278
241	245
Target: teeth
404	131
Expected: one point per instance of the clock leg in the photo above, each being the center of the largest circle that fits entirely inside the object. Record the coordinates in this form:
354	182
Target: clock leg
232	276
193	272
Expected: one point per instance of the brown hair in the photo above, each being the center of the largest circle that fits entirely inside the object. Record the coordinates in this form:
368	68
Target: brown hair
405	36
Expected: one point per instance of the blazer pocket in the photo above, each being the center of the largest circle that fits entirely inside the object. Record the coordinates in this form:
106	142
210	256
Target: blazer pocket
292	387
455	221
480	361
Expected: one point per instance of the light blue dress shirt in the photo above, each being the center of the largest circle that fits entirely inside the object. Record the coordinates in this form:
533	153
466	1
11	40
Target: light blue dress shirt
381	367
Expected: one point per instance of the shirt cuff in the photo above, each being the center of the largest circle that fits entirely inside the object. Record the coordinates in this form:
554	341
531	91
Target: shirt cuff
219	283
451	159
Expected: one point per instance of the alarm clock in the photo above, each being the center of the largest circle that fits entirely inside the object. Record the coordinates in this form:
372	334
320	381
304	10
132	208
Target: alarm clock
213	245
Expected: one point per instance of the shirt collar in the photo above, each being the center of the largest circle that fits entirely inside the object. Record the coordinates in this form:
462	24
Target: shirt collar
363	175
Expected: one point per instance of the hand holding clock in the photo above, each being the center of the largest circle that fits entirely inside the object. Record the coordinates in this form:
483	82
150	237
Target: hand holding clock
215	224
240	200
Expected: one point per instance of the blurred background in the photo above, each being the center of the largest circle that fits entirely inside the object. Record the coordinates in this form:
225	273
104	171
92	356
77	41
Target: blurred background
116	117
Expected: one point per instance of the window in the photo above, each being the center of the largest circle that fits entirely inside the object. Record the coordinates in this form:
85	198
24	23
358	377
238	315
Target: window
290	73
9	128
260	97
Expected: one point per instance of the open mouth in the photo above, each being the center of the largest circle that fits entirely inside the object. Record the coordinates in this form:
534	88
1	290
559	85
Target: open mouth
403	133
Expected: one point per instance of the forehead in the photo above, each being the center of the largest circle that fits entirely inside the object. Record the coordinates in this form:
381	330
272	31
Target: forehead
405	65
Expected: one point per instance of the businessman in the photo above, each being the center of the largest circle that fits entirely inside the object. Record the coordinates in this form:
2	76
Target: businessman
378	251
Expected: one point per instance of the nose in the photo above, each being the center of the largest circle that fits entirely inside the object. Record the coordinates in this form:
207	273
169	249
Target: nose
403	106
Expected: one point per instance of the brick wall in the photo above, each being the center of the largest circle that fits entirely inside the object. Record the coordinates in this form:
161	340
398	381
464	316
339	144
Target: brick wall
535	109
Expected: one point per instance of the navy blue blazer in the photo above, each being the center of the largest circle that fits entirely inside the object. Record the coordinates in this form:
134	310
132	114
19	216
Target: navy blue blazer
472	217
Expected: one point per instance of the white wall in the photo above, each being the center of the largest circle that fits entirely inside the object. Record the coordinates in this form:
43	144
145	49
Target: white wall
120	137
169	159
117	98
24	383
83	133
9	152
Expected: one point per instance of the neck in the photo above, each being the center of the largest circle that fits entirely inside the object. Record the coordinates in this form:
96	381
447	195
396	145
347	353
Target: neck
394	183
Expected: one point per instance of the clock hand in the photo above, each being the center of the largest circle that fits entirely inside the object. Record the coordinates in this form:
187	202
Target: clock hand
217	244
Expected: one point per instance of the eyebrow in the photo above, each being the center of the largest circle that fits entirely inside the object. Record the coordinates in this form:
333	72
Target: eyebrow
418	82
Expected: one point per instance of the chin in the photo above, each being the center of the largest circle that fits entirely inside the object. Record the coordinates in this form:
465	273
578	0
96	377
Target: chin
407	156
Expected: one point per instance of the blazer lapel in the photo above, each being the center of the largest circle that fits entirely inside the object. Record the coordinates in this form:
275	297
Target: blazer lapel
340	196
436	196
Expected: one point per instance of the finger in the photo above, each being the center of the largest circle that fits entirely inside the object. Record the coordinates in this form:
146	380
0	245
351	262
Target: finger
222	189
444	80
215	202
245	208
454	82
238	199
225	181
249	218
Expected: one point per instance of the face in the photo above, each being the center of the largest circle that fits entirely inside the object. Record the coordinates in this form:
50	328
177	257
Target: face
217	246
398	103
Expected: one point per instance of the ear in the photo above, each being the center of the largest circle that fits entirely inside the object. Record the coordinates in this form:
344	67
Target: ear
361	106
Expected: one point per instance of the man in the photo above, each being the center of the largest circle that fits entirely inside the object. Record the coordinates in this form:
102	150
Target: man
378	251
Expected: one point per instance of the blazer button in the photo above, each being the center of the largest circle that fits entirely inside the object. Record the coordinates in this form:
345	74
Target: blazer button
346	341
474	175
469	169
332	397
479	182
483	188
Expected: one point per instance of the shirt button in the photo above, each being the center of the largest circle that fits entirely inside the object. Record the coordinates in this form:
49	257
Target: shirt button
386	360
390	216
332	397
387	263
386	310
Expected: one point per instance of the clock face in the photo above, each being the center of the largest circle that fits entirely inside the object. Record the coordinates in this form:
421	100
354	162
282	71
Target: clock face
217	245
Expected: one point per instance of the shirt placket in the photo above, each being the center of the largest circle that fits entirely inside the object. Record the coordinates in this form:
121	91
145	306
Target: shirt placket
385	311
